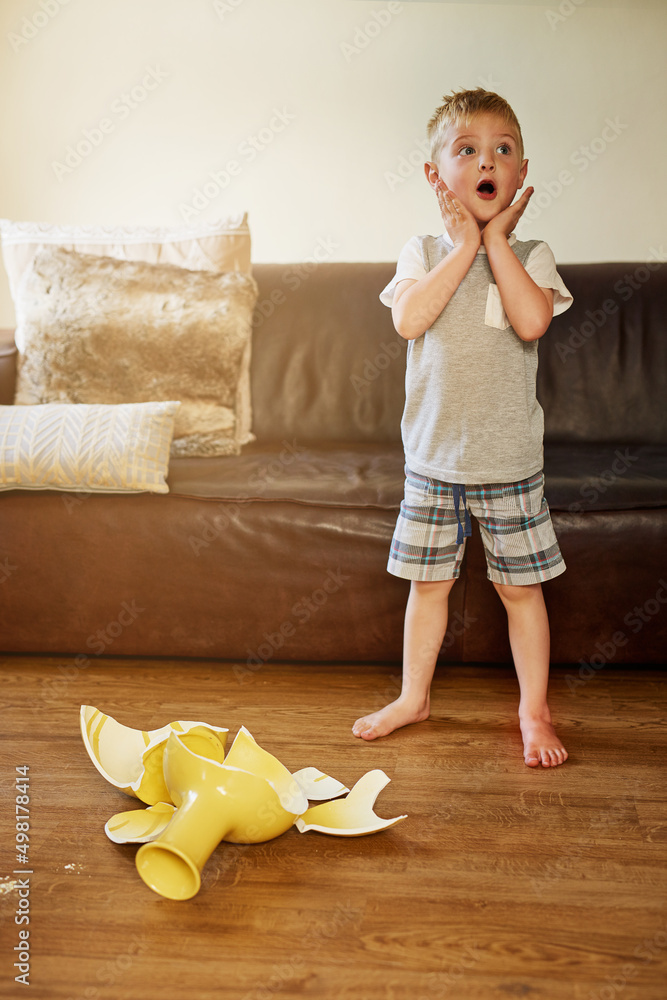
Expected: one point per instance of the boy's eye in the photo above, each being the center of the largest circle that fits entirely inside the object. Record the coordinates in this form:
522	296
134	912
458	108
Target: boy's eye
466	150
504	148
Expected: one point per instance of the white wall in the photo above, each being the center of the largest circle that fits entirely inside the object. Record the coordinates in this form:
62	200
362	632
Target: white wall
354	95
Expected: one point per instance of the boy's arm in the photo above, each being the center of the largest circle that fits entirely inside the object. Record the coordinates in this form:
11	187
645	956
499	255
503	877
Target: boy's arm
418	302
529	308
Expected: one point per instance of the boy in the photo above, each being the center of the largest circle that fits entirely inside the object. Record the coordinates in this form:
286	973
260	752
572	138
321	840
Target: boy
473	304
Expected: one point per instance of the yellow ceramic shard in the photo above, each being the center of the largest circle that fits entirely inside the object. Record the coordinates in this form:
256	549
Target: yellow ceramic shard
352	816
139	826
245	754
216	802
131	759
198	797
318	786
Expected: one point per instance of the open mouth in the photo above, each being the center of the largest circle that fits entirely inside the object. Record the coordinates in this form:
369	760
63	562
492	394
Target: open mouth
486	189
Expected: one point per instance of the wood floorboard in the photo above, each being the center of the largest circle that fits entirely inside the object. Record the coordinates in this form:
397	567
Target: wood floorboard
503	881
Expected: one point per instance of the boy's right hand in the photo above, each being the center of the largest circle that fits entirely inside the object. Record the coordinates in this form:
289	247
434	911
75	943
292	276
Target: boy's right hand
459	222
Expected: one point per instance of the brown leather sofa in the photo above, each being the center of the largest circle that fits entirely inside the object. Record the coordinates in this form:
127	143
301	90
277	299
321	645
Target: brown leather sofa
280	553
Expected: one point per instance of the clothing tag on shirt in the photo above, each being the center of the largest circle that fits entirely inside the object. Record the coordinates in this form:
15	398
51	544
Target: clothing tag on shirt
495	315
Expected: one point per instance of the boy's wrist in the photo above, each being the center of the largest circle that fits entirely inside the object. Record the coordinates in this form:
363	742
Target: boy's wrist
494	239
470	245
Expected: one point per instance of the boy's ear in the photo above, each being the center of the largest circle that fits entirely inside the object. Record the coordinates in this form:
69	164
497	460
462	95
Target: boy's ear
523	170
432	175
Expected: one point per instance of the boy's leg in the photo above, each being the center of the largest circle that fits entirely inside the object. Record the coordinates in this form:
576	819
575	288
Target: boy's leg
529	638
425	627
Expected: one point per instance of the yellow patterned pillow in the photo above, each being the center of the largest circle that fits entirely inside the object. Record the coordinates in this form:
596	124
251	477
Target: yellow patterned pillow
102	448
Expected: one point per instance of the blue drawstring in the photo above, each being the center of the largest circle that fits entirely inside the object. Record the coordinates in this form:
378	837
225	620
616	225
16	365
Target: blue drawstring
460	495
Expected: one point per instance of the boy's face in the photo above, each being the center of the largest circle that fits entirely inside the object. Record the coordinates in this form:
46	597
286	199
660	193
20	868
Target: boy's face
480	162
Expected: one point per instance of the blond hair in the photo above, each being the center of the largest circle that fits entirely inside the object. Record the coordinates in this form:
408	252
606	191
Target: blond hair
461	107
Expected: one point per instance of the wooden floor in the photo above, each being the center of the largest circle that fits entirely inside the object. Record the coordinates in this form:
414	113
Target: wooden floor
503	882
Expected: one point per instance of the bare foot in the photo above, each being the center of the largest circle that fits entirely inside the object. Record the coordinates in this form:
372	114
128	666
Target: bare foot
540	743
399	713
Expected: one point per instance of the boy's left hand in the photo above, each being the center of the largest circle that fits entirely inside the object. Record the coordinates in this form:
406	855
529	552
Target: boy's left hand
504	223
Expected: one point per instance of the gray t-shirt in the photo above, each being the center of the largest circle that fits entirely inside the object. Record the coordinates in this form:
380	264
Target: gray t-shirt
471	414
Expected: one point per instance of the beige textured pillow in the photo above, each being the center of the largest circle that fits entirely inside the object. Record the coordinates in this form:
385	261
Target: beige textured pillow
99	449
222	245
99	330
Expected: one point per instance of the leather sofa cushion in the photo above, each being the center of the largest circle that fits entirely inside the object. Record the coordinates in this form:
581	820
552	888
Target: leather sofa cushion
587	477
332	475
578	477
208	579
329	366
602	364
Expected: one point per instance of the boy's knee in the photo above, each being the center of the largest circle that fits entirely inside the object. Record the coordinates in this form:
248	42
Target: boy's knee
437	588
517	592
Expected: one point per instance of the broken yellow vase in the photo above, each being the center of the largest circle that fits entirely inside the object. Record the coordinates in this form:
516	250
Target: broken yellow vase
248	799
131	760
352	816
139	826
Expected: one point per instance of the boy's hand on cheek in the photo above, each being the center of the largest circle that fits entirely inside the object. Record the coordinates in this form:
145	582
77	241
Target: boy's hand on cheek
459	222
502	225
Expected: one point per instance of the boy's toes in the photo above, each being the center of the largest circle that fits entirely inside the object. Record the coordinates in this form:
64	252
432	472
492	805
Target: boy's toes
534	756
363	728
552	758
541	745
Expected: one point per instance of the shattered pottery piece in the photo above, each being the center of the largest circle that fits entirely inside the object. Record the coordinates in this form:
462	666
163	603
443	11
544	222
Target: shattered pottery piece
352	816
216	801
318	786
139	826
198	797
247	755
131	759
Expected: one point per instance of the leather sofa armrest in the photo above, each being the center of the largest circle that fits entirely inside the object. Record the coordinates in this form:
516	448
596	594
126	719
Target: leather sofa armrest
8	358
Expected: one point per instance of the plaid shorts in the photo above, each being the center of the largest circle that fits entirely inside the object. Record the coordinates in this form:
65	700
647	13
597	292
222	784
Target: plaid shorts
514	521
